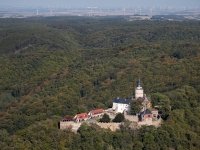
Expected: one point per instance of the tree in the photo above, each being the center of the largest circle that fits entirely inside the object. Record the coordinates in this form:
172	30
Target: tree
138	145
136	106
119	118
126	124
105	118
163	104
160	99
3	134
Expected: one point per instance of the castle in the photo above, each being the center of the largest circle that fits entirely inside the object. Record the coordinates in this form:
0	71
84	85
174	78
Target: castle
123	105
146	116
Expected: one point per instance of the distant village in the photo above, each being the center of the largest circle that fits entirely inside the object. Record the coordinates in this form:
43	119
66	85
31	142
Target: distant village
147	115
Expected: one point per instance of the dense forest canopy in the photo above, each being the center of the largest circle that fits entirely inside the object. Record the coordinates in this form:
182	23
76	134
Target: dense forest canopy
51	67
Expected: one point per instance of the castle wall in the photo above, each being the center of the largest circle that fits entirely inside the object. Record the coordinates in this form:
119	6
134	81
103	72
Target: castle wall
111	126
131	118
74	126
70	125
156	123
146	122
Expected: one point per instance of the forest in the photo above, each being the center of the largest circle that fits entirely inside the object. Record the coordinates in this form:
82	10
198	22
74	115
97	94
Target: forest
52	67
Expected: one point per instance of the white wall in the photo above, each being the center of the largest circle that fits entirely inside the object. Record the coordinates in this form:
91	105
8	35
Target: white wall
119	108
114	106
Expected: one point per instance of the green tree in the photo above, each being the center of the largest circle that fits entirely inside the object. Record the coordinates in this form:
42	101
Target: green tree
105	118
159	99
136	106
138	145
3	134
119	118
162	103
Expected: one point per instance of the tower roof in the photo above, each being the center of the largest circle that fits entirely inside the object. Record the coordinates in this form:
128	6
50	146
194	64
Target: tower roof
122	101
147	111
138	83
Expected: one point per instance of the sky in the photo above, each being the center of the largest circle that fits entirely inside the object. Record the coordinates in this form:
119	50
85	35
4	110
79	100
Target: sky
103	3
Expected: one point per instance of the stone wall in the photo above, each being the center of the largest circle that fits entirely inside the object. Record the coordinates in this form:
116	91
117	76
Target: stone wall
131	118
111	126
156	123
69	125
146	122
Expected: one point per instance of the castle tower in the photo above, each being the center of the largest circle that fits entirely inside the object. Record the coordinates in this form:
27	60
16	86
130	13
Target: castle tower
139	90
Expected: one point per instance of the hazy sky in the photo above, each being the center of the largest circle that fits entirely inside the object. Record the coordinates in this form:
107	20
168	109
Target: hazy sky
105	3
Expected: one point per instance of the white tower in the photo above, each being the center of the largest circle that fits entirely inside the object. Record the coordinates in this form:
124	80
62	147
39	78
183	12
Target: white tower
139	90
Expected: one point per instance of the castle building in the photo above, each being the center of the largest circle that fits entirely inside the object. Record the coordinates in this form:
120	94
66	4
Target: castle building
146	115
123	105
80	117
96	113
65	119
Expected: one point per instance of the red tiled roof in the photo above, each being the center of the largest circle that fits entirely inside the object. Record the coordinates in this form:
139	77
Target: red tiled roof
97	111
83	115
67	118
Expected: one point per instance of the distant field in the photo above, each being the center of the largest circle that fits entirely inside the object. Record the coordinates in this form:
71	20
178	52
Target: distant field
54	11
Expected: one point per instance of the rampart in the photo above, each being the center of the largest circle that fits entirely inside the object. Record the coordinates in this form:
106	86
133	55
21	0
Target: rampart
112	126
156	123
70	125
131	118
